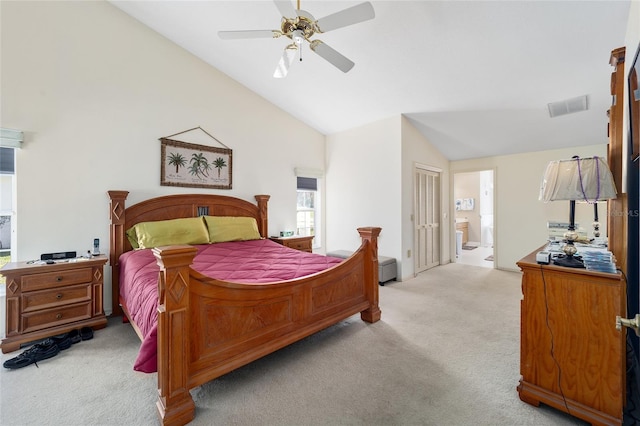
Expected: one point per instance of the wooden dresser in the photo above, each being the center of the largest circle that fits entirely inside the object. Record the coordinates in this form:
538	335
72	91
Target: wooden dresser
46	300
298	243
572	314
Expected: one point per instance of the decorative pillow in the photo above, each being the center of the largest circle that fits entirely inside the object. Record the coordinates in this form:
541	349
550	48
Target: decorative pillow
191	230
132	237
231	228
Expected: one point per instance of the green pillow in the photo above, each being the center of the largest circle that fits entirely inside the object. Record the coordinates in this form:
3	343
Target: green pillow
191	230
231	228
132	237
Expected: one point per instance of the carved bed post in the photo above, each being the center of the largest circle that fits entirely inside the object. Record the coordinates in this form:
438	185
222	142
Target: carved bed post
263	224
175	405
116	248
370	234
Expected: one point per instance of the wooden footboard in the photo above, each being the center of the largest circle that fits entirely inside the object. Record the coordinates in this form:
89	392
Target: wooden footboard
207	328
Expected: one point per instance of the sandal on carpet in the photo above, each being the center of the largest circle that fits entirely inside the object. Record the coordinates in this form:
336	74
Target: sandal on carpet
37	352
74	335
62	340
86	333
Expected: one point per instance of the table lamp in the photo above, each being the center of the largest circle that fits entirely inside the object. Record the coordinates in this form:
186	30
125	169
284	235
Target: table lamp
583	179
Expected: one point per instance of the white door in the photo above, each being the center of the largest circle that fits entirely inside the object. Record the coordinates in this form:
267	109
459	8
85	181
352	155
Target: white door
427	219
486	208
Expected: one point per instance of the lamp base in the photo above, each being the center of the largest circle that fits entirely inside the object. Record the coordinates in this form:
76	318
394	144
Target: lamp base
568	261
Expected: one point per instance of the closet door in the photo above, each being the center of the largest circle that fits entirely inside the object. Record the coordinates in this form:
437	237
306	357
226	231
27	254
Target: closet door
427	219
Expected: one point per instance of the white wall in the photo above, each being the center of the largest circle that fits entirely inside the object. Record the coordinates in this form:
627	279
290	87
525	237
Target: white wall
520	220
93	90
364	186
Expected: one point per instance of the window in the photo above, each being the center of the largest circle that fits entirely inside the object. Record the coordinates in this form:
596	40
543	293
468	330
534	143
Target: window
308	209
7	175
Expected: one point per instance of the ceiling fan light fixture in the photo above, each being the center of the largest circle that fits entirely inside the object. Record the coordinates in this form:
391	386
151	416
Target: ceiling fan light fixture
298	37
299	25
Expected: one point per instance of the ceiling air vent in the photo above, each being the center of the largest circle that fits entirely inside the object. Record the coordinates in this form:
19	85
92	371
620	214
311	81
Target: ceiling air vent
569	106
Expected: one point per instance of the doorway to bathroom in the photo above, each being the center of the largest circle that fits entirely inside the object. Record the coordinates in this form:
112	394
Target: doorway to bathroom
473	195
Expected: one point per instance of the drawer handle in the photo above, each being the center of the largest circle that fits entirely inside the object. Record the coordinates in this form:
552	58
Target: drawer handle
59	296
58	316
58	279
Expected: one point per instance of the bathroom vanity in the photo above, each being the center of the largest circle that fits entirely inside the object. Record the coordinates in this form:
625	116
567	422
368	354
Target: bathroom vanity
463	225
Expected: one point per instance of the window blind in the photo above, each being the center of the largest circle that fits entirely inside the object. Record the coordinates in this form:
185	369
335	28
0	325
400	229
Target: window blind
7	163
308	184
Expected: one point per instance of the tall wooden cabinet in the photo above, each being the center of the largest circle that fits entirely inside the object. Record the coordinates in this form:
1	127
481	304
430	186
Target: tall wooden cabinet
572	357
617	209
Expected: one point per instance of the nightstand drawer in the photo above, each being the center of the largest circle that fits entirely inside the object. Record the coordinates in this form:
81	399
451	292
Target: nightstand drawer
300	245
47	318
56	279
43	299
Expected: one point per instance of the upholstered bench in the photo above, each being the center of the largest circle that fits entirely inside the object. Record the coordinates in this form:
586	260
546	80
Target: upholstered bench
387	268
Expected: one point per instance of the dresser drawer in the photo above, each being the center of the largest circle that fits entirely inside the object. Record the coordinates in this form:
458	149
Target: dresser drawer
56	279
46	318
43	299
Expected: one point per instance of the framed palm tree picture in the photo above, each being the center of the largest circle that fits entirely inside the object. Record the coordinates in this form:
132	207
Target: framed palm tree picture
198	166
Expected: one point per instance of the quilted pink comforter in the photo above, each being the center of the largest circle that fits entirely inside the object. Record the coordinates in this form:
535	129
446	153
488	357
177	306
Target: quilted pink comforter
257	261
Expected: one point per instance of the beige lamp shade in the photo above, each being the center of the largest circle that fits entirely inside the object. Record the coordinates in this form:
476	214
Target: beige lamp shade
579	179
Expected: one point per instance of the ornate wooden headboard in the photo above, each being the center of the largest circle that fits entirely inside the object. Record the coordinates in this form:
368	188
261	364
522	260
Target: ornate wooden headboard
171	207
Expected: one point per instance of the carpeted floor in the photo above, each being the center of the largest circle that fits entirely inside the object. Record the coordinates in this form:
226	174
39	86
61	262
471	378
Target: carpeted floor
446	352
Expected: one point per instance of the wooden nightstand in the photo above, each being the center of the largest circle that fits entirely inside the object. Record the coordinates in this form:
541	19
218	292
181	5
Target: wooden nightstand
47	300
298	243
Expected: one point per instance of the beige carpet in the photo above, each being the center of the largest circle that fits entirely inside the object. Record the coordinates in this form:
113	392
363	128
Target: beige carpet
445	353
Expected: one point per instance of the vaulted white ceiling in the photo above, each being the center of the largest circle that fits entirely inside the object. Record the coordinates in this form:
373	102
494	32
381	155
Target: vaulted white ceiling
475	77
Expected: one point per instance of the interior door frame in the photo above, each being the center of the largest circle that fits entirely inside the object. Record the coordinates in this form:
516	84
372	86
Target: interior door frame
452	209
439	171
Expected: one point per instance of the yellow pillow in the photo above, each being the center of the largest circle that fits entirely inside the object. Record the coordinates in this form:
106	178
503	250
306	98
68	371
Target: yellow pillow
191	230
231	228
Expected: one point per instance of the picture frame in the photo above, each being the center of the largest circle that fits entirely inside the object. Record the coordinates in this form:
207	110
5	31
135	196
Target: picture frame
634	107
463	204
197	166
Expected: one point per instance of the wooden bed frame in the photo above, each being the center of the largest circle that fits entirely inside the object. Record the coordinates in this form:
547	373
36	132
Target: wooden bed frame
208	327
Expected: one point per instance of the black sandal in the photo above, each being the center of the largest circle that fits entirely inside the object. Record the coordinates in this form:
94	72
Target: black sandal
86	333
37	352
74	335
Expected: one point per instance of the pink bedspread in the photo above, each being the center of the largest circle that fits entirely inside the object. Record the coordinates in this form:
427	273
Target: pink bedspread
257	261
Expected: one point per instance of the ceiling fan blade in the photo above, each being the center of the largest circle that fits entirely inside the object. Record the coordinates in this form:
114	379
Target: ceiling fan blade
353	15
286	8
285	62
336	59
234	35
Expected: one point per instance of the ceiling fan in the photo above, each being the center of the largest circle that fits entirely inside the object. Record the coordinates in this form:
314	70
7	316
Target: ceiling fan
299	25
